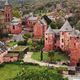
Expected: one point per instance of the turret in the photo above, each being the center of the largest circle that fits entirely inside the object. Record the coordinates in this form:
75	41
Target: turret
49	40
65	30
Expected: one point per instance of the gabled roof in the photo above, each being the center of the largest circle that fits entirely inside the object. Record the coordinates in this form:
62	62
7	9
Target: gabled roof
49	30
1	43
6	3
66	27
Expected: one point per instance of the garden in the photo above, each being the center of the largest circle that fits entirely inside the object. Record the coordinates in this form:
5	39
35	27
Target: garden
53	56
21	71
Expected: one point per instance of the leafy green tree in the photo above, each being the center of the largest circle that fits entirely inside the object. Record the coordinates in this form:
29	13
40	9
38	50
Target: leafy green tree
78	25
53	25
38	74
26	36
16	13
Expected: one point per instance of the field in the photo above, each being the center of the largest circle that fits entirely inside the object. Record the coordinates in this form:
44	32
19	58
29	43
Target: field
9	71
56	57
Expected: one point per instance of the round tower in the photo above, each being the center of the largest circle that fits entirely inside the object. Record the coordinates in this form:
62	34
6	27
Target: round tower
64	35
49	39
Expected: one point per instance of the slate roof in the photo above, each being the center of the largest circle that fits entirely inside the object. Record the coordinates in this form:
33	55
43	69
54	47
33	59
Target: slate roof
56	31
43	21
2	47
6	3
32	18
15	21
1	43
66	27
75	33
49	30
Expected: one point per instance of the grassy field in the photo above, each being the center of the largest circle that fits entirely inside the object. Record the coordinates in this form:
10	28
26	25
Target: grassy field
11	70
36	56
56	57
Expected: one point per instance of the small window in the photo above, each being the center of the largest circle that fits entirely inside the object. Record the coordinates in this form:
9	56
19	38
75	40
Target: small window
46	38
11	57
62	40
62	46
74	44
13	27
8	15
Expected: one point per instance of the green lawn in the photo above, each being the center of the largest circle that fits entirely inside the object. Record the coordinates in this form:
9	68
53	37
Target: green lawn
36	56
11	70
57	56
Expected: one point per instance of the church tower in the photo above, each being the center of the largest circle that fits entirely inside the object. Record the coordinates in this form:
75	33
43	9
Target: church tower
7	11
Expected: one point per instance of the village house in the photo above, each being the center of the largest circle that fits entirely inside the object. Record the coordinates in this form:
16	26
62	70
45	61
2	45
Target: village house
6	13
15	54
11	57
67	39
31	20
3	51
39	29
15	26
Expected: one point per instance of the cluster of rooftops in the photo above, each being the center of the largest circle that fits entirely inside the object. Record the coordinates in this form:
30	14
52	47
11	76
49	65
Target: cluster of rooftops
65	28
2	47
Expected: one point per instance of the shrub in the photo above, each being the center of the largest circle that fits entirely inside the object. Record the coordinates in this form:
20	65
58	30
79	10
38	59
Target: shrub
22	43
26	36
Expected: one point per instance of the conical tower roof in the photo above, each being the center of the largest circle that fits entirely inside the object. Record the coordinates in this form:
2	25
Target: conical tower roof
49	30
66	27
6	3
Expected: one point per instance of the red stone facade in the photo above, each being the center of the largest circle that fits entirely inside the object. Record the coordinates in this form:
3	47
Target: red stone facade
8	13
49	40
39	30
31	21
15	29
15	26
69	41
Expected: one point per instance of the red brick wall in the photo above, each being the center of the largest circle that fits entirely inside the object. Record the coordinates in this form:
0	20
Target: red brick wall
38	30
16	30
8	13
49	42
